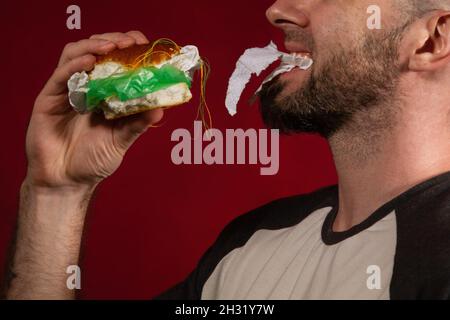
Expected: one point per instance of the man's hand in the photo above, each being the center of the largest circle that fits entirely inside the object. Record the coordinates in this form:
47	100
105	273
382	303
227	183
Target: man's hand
66	149
68	155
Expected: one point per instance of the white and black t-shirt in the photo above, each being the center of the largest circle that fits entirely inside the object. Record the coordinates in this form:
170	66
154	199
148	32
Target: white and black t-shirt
288	250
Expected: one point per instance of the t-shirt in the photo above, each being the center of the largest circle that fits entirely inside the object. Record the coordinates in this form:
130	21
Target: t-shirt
287	249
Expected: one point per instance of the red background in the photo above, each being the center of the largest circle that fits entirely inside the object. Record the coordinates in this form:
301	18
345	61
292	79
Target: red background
152	220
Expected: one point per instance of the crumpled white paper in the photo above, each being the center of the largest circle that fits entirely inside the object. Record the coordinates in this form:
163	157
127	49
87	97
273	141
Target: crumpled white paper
256	60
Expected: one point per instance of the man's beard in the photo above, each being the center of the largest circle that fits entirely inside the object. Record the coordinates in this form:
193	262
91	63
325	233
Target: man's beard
351	81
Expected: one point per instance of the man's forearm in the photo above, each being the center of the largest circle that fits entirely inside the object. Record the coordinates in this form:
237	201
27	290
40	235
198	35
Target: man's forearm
50	228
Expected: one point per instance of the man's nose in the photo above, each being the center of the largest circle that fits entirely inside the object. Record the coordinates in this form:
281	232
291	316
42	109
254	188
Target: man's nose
287	12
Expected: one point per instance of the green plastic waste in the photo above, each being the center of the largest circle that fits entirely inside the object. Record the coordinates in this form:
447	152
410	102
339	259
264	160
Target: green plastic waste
134	84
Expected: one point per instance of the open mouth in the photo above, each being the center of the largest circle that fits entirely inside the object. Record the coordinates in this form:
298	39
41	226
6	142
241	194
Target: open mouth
297	49
301	60
302	54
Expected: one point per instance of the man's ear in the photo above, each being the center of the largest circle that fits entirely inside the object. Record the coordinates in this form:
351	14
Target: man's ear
431	45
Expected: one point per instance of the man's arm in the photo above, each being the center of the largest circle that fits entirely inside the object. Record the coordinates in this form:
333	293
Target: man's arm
48	240
68	156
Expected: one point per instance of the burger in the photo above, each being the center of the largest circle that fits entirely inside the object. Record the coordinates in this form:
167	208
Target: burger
139	78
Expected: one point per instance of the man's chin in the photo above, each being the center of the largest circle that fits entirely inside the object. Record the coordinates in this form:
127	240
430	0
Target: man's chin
275	105
289	103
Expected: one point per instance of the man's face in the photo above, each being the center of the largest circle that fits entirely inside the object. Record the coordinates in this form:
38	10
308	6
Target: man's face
354	69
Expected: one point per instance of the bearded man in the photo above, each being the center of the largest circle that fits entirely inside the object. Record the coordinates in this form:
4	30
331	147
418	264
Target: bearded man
380	97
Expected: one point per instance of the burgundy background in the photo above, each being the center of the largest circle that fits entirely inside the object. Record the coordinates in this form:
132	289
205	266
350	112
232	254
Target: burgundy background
152	220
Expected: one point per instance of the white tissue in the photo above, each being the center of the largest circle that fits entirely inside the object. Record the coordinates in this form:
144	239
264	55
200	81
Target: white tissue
255	61
77	85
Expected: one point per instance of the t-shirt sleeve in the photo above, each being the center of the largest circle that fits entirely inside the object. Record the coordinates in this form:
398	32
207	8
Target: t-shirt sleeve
191	287
233	236
274	215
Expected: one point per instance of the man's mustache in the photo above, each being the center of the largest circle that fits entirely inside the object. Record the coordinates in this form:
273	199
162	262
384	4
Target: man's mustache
300	36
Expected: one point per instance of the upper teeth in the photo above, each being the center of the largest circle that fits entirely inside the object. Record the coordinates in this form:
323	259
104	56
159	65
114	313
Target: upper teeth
301	54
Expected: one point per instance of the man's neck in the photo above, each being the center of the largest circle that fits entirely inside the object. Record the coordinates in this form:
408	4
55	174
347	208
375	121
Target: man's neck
377	161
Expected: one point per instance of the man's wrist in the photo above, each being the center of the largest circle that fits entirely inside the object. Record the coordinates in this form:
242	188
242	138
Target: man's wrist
74	191
56	207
